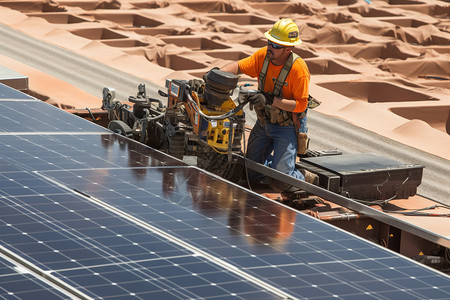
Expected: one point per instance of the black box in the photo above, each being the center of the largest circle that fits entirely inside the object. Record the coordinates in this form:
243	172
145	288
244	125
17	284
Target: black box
365	176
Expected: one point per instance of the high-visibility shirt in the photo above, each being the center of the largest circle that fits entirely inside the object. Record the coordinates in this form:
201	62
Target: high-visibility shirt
296	85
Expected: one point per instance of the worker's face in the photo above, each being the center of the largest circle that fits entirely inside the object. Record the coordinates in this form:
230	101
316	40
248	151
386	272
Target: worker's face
275	51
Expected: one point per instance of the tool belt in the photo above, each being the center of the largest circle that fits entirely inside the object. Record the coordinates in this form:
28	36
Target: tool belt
274	115
278	116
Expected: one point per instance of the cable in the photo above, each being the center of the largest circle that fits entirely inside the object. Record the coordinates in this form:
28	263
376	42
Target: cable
245	163
147	112
91	114
221	117
419	211
384	201
218	151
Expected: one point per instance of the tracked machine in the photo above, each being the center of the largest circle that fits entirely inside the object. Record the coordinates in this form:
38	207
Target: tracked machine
200	119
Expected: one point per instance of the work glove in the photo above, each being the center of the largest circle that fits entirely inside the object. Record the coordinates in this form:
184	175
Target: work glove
259	100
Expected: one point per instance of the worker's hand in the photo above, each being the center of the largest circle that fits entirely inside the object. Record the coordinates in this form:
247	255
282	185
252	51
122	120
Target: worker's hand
269	98
260	99
257	101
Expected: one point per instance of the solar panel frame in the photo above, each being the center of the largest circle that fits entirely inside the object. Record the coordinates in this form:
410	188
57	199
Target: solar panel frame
18	283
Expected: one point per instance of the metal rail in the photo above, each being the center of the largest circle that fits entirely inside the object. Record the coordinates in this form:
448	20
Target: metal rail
346	202
43	275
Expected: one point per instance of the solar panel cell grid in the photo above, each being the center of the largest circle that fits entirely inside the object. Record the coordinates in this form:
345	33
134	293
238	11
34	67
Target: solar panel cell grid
19	285
47	152
109	247
249	233
35	116
115	219
9	93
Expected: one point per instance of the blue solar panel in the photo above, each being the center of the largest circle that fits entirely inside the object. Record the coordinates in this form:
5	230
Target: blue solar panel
17	283
7	93
287	249
76	151
103	254
28	116
115	219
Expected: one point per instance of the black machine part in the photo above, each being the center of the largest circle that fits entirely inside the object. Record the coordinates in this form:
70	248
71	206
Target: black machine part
218	87
121	128
365	176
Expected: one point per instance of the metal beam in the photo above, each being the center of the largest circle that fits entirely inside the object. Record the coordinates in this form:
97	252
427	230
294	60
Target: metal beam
346	202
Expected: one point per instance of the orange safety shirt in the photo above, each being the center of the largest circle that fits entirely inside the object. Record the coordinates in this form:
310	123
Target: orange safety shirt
297	82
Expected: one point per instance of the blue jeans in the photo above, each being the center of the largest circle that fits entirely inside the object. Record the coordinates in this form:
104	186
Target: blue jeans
303	127
275	146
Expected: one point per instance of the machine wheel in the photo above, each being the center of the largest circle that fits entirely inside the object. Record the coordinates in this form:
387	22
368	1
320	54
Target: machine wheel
218	164
121	128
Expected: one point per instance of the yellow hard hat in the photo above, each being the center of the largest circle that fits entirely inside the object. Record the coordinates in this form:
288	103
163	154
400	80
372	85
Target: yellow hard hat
284	32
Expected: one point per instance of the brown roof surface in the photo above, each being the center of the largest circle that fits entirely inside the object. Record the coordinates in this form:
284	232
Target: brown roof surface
381	65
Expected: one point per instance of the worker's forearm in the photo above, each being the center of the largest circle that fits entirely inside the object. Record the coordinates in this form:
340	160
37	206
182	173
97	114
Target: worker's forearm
284	104
231	67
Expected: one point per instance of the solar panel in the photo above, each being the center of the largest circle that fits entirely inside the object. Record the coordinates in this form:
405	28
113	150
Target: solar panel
9	93
102	253
28	116
77	151
286	249
18	283
110	217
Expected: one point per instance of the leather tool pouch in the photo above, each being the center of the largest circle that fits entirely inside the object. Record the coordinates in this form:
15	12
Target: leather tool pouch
302	142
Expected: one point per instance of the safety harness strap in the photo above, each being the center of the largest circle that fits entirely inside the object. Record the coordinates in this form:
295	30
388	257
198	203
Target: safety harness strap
278	87
263	73
268	111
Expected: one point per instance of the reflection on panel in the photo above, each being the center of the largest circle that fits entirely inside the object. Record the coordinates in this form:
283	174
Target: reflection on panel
37	116
55	152
271	242
105	255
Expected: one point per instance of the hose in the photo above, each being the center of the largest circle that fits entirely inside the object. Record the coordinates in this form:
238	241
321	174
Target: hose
147	112
420	211
221	117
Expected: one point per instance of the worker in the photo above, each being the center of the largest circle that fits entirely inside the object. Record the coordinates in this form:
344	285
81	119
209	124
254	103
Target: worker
279	133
